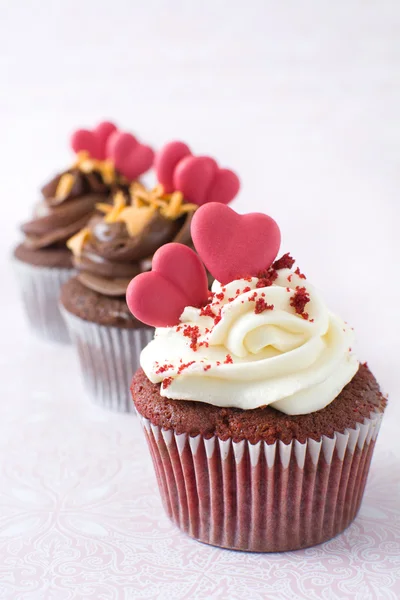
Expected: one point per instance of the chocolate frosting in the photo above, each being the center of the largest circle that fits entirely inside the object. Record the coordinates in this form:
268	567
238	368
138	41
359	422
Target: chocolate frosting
110	258
57	218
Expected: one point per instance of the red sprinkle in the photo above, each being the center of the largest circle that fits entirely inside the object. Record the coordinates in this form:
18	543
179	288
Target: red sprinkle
220	296
261	305
297	271
164	368
185	366
284	262
207	368
206	311
217	319
266	278
167	382
192	332
299	301
228	360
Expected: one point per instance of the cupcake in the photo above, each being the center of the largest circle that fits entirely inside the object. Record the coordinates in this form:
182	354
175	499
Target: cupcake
111	250
260	420
104	163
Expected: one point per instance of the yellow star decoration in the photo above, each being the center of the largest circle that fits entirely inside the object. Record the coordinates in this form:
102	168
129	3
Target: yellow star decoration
64	186
77	241
170	205
86	164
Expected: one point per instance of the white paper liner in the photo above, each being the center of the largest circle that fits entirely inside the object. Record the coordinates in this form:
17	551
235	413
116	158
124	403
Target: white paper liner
263	498
40	291
109	357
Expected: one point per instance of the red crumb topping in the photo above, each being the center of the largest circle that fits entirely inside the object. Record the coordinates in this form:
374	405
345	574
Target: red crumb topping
206	311
192	332
261	305
217	319
205	344
297	271
299	301
167	382
252	297
246	289
284	262
228	360
164	368
266	278
220	296
185	366
207	368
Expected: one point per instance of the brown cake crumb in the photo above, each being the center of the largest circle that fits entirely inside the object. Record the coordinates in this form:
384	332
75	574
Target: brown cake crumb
284	262
299	300
261	306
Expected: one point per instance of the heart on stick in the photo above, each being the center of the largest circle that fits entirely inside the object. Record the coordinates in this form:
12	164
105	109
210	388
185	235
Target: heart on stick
199	178
177	279
130	157
234	246
93	141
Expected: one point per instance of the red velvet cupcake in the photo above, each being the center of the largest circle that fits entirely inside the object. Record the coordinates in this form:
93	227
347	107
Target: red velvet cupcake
259	418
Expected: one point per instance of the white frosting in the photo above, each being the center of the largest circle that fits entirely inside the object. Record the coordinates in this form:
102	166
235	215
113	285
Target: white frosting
298	365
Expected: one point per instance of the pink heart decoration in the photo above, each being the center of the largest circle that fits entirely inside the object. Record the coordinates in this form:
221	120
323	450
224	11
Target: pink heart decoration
234	246
194	176
130	157
177	279
166	161
199	178
93	141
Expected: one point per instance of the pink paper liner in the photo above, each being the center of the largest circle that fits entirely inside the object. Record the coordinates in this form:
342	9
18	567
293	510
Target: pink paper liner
108	356
262	498
40	291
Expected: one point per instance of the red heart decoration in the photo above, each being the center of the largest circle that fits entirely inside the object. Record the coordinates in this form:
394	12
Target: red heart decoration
165	162
93	141
177	279
130	157
194	176
234	246
198	177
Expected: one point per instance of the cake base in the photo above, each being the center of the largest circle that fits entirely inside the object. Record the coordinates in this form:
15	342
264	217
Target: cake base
93	307
260	480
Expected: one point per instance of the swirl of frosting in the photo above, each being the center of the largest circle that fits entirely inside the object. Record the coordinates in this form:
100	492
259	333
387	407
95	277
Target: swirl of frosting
69	200
114	248
258	342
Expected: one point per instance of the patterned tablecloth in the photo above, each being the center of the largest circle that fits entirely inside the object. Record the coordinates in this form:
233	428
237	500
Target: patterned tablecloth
81	518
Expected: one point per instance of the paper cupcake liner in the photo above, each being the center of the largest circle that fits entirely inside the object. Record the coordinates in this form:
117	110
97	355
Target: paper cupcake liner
40	291
262	498
109	356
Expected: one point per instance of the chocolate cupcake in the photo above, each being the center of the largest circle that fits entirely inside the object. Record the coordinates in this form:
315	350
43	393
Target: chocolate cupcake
260	420
42	261
107	254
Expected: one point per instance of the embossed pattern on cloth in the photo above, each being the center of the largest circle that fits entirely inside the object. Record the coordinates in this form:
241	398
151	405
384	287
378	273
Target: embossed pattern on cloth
81	519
